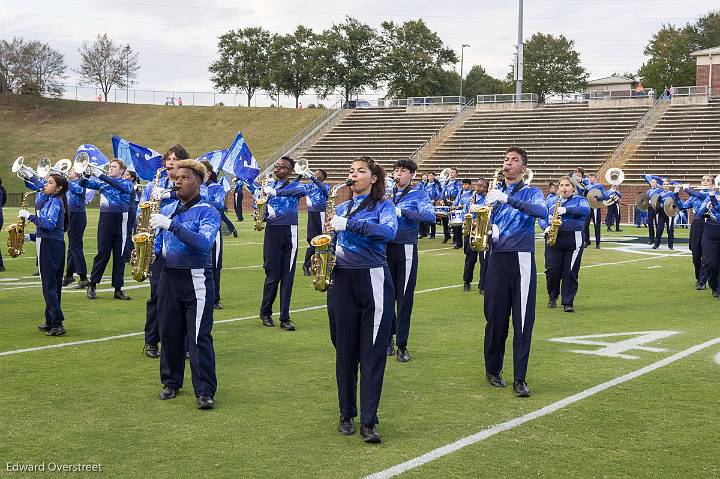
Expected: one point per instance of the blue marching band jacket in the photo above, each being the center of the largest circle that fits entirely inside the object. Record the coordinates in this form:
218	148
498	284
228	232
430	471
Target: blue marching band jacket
76	197
115	193
362	244
451	189
316	195
282	209
577	209
474	199
165	183
514	221
50	220
415	207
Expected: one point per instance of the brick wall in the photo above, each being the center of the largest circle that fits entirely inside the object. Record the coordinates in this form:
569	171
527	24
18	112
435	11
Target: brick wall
702	77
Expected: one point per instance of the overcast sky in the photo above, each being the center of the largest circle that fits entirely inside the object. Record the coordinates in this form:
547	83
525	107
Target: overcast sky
177	39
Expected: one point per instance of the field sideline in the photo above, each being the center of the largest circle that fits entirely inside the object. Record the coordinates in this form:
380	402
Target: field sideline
91	396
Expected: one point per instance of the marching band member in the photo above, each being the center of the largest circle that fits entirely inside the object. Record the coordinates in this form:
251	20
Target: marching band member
238	192
655	183
695	201
433	189
412	206
280	244
562	261
188	228
316	198
37	184
115	193
216	197
613	210
77	223
450	190
3	201
174	155
472	257
595	215
511	262
552	195
711	241
51	223
459	204
663	221
360	304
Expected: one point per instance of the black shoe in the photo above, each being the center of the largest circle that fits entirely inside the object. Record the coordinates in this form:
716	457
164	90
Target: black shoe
369	434
151	351
59	331
218	305
655	246
2	268
391	348
432	237
651	242
716	294
670	247
609	230
700	287
168	393
84	283
446	240
403	355
205	402
267	321
287	325
120	294
597	246
481	291
552	303
496	380
457	246
36	273
91	294
346	426
422	236
234	233
68	280
617	230
187	355
521	389
466	287
306	271
44	327
568	308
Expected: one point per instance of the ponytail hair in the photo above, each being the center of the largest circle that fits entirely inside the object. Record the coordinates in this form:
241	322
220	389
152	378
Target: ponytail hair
377	192
62	182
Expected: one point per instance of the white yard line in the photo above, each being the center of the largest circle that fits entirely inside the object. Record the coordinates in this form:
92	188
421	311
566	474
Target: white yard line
322	306
549	409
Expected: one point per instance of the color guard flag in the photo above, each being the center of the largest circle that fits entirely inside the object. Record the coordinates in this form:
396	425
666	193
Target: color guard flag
144	161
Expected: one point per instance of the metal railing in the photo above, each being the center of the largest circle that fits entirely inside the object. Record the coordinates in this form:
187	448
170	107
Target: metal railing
436	100
640	127
507	98
689	91
303	135
427	143
622	94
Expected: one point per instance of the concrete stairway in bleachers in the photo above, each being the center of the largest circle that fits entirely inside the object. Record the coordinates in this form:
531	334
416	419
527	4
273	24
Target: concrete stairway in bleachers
683	145
557	139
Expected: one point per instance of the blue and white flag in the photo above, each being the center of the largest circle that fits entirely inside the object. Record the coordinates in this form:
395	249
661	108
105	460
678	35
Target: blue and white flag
96	156
215	158
225	182
144	161
240	162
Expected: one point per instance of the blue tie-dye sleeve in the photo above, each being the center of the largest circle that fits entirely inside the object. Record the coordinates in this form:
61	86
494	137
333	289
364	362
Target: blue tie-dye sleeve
118	183
91	183
48	217
205	237
533	206
426	210
384	231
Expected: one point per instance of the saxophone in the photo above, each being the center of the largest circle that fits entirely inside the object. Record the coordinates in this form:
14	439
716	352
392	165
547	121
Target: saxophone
261	203
554	226
481	224
323	260
16	231
144	239
468	218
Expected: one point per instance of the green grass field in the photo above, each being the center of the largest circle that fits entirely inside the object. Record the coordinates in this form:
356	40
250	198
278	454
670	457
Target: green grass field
60	126
96	402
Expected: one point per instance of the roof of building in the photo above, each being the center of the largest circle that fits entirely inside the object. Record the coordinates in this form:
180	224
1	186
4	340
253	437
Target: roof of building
610	81
707	51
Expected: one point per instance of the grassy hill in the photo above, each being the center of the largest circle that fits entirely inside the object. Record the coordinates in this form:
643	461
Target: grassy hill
58	127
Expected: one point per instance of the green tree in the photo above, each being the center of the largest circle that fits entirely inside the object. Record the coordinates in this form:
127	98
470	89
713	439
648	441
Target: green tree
348	57
414	58
478	82
293	63
706	31
670	62
40	70
447	83
243	61
552	65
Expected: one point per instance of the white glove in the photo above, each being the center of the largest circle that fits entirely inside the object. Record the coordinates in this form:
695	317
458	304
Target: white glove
676	189
496	196
24	214
398	212
339	223
159	194
474	208
159	221
495	233
546	230
270	191
561	210
686	186
308	174
27	237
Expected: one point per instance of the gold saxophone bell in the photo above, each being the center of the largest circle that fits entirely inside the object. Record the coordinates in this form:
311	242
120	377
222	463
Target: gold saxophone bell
16	231
479	240
144	240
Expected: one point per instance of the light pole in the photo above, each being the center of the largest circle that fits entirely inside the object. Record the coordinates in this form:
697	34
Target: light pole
126	50
519	58
462	58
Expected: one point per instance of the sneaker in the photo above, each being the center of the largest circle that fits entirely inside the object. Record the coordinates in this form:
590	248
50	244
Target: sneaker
218	305
655	246
403	355
120	294
59	331
287	325
84	283
91	294
617	230
568	308
43	327
346	426
267	321
167	393
68	280
151	351
205	402
521	389
552	303
496	380
700	287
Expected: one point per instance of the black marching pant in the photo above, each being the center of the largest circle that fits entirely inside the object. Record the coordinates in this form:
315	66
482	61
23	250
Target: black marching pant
472	257
457	236
511	292
51	259
595	217
711	255
217	252
185	308
316	220
228	223
402	261
111	238
152	336
360	310
613	216
1	225
664	222
446	227
651	222
238	203
562	265
279	255
77	223
696	233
